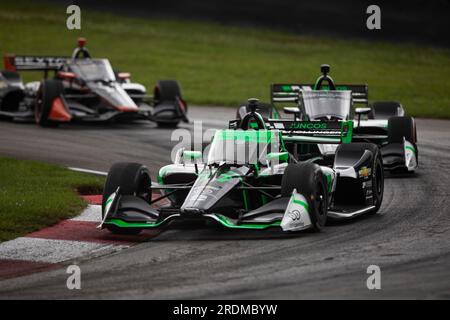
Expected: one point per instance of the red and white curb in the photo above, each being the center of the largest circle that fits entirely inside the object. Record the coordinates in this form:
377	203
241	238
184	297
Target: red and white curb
70	240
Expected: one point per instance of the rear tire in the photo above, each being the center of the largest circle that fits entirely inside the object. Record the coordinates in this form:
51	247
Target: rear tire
49	90
399	127
383	110
308	180
133	179
169	91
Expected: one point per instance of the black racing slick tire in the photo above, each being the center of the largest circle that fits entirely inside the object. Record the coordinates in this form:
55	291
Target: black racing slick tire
167	125
383	110
309	180
401	127
377	183
48	91
132	179
167	90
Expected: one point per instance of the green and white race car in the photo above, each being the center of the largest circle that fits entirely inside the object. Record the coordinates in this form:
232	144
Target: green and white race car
382	123
255	176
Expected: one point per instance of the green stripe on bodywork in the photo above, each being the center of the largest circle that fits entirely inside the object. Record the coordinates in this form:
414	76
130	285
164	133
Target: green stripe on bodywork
227	176
304	204
162	173
275	113
245	195
259	136
347	138
222	219
125	224
108	201
253	125
410	148
264	199
229	224
280	156
328	176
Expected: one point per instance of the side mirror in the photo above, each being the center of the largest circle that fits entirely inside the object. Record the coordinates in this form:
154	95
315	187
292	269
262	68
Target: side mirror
191	155
277	156
291	110
124	76
184	155
360	112
66	75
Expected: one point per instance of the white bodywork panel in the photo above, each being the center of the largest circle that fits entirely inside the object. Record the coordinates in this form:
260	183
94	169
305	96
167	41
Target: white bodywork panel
347	172
410	156
296	217
108	205
327	149
133	86
32	87
371	123
328	172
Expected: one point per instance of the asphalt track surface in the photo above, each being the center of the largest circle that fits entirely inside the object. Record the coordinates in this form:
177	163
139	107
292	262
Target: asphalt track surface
409	239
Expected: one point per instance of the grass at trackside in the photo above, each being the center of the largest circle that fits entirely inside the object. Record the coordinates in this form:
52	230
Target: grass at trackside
219	65
34	195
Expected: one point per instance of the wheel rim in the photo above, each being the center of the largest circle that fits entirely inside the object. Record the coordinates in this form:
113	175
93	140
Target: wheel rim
319	203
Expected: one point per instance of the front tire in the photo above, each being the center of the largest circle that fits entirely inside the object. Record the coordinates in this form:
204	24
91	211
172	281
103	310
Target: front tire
383	110
167	125
49	90
308	180
132	179
167	90
377	182
400	128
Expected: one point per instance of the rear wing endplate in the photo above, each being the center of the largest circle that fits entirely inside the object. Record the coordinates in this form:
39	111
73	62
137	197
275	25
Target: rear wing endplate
292	92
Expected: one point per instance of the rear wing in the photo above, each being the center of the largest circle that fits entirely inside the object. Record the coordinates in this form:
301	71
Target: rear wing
328	132
292	92
33	63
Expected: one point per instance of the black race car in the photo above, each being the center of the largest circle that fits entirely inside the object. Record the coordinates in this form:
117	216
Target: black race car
84	88
253	177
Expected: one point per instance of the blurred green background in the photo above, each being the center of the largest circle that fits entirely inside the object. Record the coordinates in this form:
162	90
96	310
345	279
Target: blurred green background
223	65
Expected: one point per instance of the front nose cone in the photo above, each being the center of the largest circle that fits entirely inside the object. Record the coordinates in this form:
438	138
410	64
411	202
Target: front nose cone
192	212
